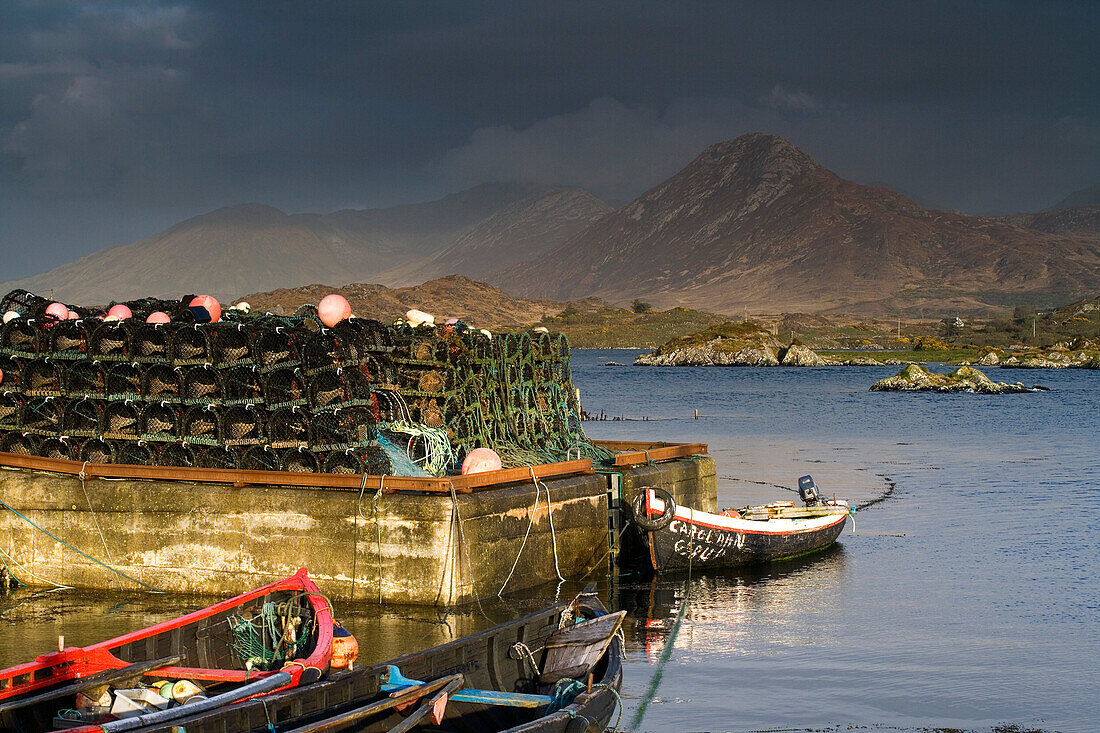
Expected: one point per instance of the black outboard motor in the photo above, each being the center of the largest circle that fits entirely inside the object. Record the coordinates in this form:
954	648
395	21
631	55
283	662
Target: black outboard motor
807	489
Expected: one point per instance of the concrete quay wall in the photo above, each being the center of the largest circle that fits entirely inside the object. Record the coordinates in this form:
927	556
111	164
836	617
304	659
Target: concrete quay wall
421	548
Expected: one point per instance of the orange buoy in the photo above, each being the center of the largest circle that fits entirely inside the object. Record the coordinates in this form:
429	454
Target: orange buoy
333	308
158	317
480	460
345	649
60	311
120	311
212	306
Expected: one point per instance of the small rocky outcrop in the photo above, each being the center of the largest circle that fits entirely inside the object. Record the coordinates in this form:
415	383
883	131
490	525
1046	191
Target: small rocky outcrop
728	344
862	361
801	355
916	378
989	359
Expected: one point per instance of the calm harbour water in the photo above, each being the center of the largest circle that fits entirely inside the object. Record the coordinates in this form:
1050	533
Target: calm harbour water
965	599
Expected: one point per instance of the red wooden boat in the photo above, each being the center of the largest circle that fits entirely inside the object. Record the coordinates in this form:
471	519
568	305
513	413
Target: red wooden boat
268	639
681	537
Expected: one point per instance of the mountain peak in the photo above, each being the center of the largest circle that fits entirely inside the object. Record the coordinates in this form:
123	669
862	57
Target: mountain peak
760	149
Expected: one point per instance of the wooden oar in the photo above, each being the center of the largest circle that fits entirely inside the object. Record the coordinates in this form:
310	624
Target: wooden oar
106	677
399	697
429	706
398	682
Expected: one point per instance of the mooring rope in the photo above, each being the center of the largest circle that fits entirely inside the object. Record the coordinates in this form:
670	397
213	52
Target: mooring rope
465	549
46	532
550	516
523	544
91	511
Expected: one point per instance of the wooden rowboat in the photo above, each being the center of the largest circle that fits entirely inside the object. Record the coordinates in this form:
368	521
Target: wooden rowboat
680	537
555	670
233	647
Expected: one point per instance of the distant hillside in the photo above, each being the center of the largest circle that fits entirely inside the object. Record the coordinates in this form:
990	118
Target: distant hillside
254	247
1083	220
1085	197
454	296
756	223
524	230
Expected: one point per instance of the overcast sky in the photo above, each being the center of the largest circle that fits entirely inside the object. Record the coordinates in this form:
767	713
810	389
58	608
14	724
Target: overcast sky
120	119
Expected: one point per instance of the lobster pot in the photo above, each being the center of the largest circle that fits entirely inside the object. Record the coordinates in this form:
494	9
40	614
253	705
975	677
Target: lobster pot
242	384
274	349
202	424
133	452
110	341
43	378
65	448
298	460
189	345
427	411
42	414
357	384
160	420
342	461
83	417
123	381
161	382
25	303
85	379
352	346
69	339
259	458
97	450
150	342
332	430
288	427
12	369
216	456
231	344
375	461
121	419
11	411
201	384
142	307
22	443
390	407
20	336
327	389
243	425
318	352
284	388
175	454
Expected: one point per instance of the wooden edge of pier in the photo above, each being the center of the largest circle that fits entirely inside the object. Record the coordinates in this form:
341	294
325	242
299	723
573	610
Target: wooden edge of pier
347	481
633	453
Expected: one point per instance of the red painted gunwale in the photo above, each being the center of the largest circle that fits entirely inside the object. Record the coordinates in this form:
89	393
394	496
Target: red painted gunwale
73	663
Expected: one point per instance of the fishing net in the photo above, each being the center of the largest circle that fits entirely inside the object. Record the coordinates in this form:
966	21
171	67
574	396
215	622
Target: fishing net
281	631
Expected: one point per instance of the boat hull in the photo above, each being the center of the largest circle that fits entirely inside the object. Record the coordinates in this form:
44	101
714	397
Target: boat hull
695	539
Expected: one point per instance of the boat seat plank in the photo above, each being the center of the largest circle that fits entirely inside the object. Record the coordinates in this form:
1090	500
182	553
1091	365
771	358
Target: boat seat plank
105	677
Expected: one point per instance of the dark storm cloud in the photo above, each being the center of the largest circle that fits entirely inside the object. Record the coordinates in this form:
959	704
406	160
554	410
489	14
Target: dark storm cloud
117	119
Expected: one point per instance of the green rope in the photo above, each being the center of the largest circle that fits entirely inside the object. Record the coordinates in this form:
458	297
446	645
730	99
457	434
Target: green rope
79	552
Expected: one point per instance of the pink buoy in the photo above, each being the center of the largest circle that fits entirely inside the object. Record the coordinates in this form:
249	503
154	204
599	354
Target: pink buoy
120	311
480	460
212	306
73	316
158	317
1	376
333	308
60	311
